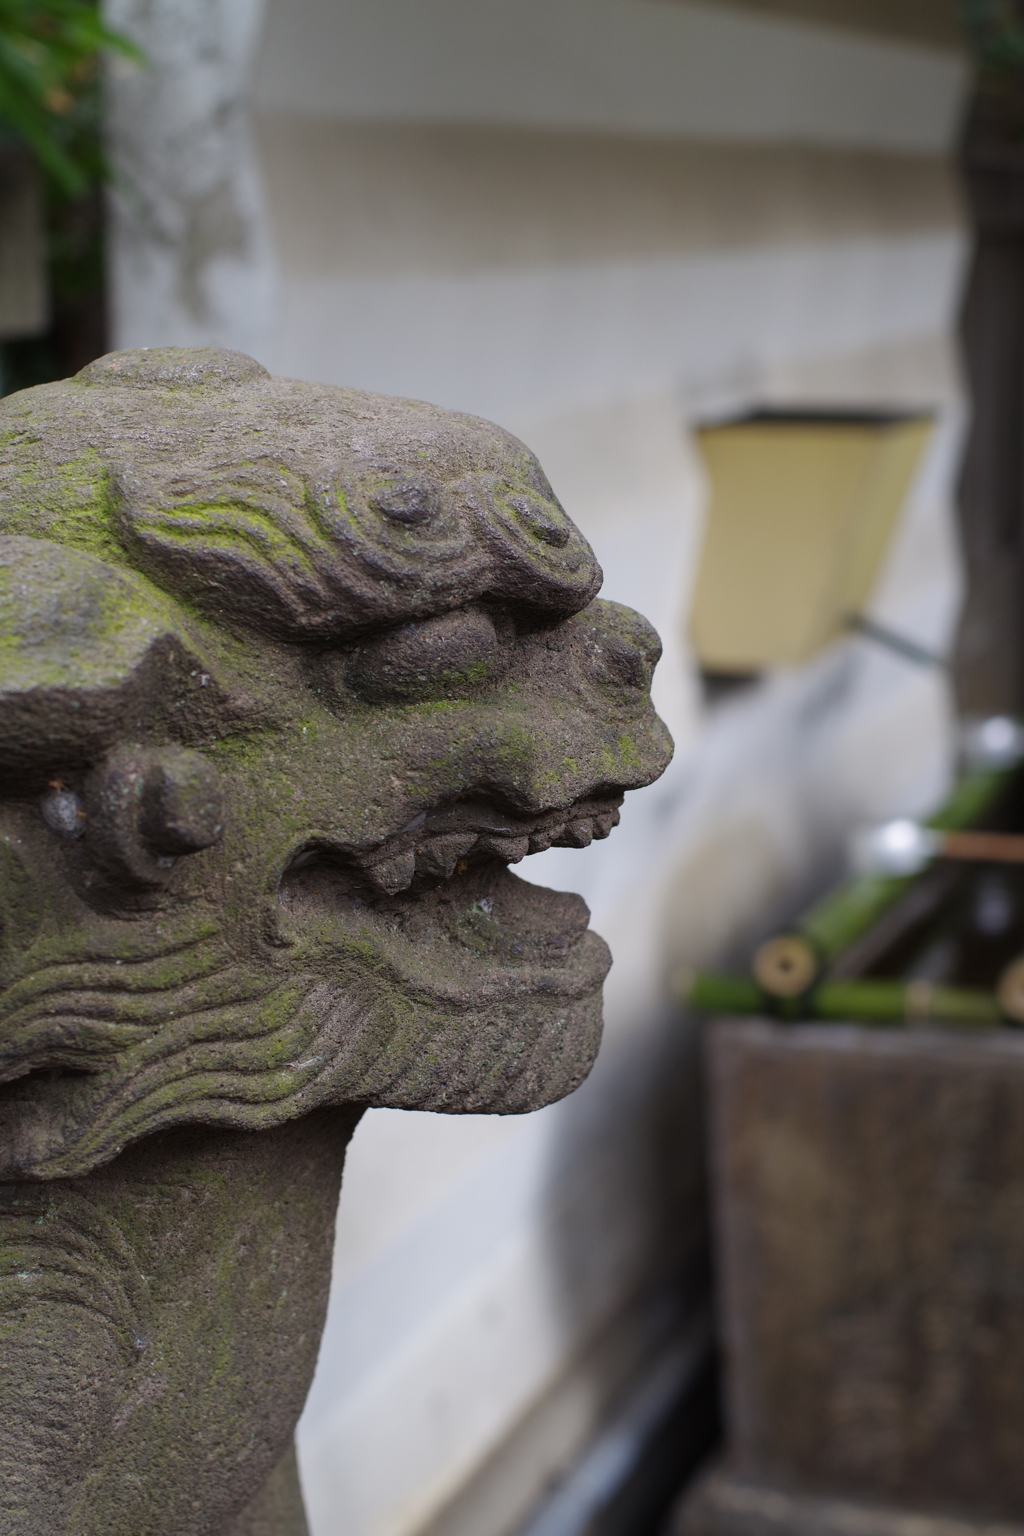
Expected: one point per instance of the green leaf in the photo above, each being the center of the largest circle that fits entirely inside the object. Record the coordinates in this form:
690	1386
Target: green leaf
50	52
995	30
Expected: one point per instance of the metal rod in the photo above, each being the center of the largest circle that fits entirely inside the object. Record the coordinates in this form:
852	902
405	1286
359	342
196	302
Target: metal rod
892	641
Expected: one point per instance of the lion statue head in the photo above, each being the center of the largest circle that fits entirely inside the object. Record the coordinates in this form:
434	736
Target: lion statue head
289	676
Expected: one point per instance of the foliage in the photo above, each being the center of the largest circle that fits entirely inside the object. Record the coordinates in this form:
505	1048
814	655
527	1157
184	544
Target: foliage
995	30
49	85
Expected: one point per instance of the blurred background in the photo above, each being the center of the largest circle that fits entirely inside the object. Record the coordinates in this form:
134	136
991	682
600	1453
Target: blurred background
690	253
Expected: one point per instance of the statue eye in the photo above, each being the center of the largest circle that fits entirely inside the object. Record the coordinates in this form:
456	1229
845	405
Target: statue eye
544	522
445	657
405	501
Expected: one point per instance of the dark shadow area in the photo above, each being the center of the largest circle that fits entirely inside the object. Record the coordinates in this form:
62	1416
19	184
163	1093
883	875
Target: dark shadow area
78	329
989	660
677	1447
630	1477
720	687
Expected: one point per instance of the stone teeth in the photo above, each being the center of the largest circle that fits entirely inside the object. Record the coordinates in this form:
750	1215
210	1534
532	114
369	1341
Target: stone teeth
512	849
437	857
440	856
579	834
394	874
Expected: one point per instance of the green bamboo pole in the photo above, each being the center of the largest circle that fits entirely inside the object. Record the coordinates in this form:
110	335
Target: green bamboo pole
712	993
831	924
892	1002
856	1002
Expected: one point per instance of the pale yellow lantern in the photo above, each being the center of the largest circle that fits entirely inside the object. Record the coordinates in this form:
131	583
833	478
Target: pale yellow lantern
802	508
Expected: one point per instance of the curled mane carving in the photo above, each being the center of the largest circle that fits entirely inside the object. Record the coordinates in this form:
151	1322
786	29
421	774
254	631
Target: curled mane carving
288	509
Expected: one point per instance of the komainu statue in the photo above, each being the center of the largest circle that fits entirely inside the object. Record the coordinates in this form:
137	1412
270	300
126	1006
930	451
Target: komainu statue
289	676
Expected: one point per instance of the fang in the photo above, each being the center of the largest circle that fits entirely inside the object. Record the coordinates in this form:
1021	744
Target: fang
392	875
440	856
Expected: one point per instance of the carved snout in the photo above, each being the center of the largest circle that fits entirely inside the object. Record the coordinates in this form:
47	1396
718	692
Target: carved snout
147	807
595	732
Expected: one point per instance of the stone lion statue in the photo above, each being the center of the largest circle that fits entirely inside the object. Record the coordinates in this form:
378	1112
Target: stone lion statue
289	676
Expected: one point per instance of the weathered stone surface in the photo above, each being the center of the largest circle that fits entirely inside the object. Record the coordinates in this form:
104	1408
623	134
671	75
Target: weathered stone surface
277	1509
869	1189
160	1322
289	675
728	1504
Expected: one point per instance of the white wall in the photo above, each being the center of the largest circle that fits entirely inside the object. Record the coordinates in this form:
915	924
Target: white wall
635	66
522	345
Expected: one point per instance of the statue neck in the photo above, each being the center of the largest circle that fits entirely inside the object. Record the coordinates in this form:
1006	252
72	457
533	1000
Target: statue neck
174	1301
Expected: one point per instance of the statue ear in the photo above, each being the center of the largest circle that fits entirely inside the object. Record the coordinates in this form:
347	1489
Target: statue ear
91	655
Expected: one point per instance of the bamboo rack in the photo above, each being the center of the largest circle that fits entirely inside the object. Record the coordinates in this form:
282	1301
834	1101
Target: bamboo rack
791	972
864	1002
789	964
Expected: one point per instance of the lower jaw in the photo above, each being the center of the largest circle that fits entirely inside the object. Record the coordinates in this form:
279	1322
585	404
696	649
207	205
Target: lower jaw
483	996
356	1040
489	997
505	1060
480	936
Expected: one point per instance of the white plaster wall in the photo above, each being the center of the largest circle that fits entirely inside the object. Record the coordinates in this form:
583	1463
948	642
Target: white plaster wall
627	65
477	1258
522	345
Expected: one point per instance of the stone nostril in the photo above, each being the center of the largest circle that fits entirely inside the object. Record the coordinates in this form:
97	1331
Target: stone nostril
619	662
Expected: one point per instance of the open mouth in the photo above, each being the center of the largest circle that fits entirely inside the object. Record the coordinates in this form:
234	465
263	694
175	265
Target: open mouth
445	916
419	973
437	844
